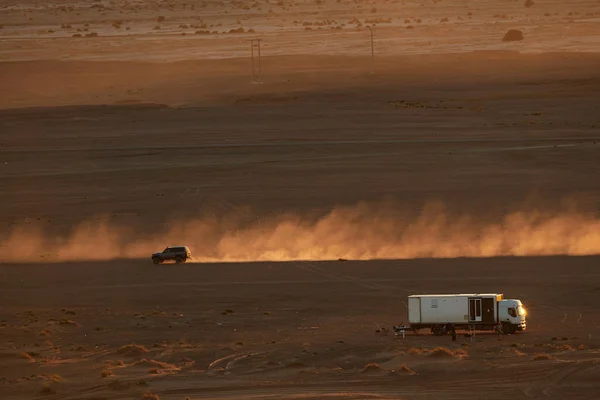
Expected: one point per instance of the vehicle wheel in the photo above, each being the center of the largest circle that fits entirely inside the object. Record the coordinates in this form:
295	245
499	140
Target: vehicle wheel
155	260
508	329
179	260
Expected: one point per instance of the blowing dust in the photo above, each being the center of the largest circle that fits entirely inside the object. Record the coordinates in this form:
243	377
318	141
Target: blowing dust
361	232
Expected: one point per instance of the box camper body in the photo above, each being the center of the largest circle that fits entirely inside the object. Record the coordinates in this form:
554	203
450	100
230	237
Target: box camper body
465	311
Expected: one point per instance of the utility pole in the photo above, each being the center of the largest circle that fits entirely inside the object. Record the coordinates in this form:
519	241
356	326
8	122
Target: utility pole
252	57
372	52
255	43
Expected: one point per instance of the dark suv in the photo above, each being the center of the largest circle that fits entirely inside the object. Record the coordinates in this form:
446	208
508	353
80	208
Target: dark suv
179	254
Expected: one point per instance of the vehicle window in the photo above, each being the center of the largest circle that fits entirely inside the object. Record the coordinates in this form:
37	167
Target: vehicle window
512	312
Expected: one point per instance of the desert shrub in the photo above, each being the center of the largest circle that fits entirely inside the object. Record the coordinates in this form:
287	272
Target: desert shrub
30	356
566	347
416	351
403	370
155	364
132	350
371	368
441	352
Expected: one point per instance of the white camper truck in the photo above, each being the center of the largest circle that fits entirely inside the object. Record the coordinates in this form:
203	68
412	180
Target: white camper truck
465	311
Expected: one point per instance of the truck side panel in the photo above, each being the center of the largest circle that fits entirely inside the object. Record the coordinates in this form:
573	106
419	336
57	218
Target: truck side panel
440	310
414	310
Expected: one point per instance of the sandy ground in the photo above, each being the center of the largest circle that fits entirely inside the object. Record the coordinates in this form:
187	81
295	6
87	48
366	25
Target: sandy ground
290	330
183	30
464	164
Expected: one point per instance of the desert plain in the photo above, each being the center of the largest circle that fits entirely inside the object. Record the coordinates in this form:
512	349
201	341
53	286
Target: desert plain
315	197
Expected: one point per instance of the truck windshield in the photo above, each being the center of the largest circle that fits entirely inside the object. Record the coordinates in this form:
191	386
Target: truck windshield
521	311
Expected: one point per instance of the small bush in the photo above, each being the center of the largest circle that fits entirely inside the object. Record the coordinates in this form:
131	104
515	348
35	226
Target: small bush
542	356
132	350
441	352
371	368
518	353
460	353
416	352
53	378
566	347
114	363
30	356
149	396
403	370
155	364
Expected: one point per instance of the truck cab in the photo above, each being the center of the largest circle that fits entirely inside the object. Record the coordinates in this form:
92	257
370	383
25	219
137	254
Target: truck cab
512	315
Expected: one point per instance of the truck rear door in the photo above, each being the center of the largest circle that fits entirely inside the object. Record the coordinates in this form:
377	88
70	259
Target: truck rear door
414	310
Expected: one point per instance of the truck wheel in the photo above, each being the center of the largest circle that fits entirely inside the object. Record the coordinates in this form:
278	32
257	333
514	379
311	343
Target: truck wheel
155	260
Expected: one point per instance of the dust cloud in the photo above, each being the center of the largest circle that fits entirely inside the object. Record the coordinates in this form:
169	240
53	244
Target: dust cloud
361	232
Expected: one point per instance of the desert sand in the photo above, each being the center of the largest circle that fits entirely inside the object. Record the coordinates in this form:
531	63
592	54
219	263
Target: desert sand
314	201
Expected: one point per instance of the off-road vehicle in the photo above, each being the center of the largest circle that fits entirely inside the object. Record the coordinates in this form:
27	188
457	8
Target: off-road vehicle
179	254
